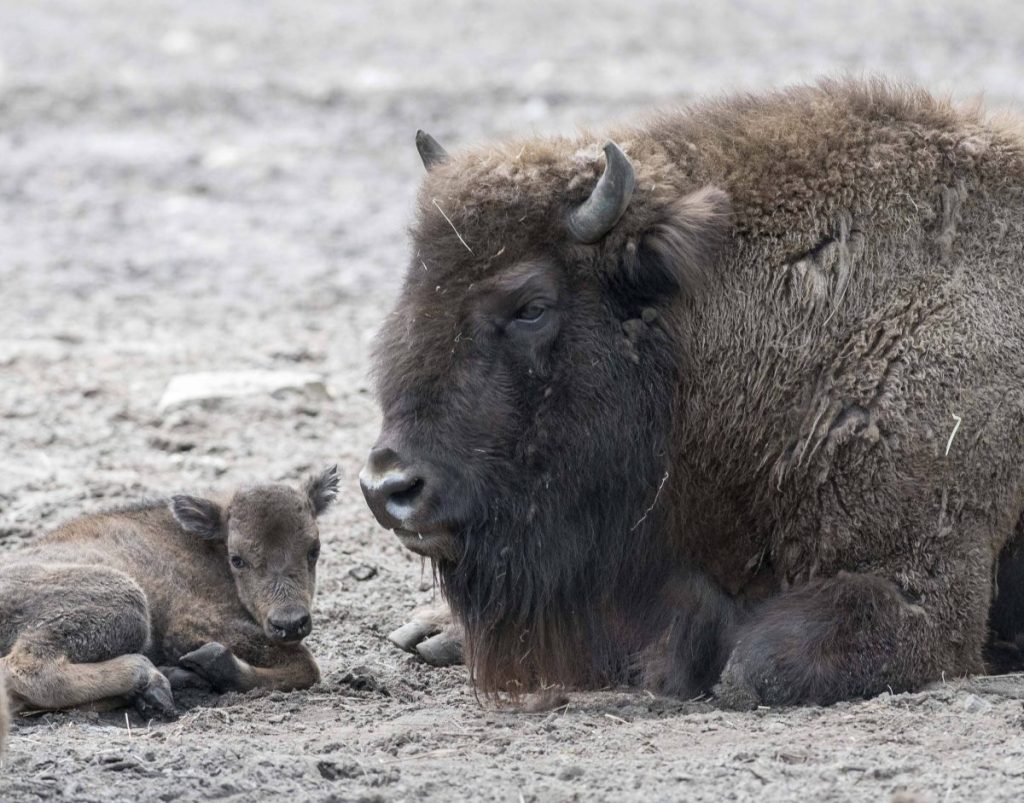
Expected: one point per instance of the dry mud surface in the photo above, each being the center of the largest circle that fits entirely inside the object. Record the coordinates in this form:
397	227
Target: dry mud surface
224	185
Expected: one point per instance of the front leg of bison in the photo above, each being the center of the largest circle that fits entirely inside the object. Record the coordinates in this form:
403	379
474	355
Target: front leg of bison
852	636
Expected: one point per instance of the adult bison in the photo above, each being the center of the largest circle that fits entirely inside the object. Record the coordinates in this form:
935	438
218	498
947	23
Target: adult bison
741	401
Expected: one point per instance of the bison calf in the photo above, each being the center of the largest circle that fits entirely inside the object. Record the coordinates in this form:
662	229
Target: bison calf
217	589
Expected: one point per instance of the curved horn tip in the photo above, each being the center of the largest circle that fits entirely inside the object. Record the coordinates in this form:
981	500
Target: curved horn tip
430	150
596	216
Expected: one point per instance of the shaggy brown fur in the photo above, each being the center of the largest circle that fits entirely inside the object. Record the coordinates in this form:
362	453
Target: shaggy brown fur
218	590
785	390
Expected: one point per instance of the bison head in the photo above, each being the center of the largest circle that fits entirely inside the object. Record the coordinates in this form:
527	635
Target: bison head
528	378
269	539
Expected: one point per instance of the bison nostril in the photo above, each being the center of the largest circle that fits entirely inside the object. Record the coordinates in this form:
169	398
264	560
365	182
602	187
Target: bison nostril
405	495
393	495
401	496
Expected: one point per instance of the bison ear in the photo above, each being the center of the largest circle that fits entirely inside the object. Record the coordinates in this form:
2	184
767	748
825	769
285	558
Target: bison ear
677	254
201	517
322	489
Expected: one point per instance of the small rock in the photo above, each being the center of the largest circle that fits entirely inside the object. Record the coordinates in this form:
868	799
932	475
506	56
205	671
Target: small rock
332	771
362	572
361	678
570	773
170	445
186	389
973	704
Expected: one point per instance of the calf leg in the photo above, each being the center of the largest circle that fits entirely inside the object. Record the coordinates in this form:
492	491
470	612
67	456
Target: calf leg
286	669
854	635
51	684
80	634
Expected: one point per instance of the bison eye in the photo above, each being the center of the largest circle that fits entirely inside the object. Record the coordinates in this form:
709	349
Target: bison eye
237	561
531	313
314	553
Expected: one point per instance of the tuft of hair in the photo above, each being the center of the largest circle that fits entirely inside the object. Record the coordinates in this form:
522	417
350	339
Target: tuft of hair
201	517
677	253
322	489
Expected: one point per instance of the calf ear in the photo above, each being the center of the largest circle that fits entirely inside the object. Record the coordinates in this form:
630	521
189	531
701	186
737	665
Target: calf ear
322	489
677	254
201	517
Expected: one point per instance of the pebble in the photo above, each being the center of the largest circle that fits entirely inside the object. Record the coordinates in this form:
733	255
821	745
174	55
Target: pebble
363	572
973	704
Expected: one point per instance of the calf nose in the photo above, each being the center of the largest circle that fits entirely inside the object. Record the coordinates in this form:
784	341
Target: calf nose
291	623
393	491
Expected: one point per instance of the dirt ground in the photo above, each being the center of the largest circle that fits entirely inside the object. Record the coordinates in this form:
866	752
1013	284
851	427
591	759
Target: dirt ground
225	185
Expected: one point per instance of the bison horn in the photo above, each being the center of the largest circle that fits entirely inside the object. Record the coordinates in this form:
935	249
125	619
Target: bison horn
430	150
594	218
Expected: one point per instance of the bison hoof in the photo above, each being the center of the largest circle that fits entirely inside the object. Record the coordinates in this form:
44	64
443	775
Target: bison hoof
444	649
761	672
432	635
215	663
734	691
155	698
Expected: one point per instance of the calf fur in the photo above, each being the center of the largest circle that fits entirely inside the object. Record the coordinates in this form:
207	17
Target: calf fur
217	591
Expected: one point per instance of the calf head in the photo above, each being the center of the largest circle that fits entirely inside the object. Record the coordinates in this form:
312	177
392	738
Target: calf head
528	377
267	536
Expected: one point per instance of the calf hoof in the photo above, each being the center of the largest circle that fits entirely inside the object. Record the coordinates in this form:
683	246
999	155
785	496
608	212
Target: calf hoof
184	679
156	700
432	635
216	664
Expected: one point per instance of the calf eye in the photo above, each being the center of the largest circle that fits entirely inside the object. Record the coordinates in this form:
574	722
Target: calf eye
531	313
314	553
237	561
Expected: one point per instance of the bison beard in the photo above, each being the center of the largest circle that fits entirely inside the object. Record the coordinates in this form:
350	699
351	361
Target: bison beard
687	414
562	578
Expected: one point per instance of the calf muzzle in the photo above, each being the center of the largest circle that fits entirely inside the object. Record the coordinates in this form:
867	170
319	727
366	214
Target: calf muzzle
289	623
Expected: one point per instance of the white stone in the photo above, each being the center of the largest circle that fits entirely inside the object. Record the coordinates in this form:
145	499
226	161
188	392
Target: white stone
973	704
185	389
